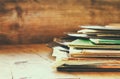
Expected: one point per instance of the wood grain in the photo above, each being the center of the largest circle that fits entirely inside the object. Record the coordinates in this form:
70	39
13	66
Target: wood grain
38	21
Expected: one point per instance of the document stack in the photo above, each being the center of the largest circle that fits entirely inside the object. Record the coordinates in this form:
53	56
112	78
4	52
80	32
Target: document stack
93	48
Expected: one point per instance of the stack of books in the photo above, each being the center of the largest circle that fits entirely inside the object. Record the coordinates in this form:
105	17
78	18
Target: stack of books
93	48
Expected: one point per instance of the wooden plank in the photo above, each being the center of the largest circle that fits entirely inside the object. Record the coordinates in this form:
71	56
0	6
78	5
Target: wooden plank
24	63
5	70
34	62
38	21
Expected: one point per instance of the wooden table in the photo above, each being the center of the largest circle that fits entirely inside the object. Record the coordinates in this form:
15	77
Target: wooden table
34	62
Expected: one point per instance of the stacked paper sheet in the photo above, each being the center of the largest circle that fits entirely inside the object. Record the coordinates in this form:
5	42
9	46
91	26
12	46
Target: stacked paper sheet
92	48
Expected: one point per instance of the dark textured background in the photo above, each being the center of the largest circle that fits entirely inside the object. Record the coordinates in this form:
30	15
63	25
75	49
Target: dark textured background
38	21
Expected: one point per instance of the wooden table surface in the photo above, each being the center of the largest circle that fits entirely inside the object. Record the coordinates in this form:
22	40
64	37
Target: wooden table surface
34	62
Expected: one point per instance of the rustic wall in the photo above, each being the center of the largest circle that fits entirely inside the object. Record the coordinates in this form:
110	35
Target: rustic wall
38	21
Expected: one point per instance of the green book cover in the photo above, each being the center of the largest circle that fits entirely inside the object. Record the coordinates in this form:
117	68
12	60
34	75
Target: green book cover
81	42
86	43
105	41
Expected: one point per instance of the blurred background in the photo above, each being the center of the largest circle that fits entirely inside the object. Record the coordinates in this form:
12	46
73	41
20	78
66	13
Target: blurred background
39	21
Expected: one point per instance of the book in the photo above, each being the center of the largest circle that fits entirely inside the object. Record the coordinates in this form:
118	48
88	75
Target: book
78	35
87	31
93	48
95	36
93	31
89	68
113	25
100	28
105	41
94	64
64	41
86	43
73	52
60	52
108	35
